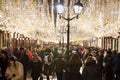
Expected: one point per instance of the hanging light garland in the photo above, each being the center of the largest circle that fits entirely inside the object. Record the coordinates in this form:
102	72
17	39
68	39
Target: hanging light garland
99	18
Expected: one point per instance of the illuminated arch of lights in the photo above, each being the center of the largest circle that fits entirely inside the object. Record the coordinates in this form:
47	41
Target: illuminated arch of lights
38	19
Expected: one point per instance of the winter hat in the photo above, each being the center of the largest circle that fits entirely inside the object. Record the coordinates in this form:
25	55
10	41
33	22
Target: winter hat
12	58
4	52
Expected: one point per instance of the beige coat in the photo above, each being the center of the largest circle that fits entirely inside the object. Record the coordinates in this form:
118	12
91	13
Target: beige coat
18	71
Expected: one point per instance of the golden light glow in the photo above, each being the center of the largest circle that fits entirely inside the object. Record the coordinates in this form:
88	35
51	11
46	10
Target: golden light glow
37	19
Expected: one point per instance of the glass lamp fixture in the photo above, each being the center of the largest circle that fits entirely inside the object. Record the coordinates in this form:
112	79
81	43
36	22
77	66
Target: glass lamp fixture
60	8
77	8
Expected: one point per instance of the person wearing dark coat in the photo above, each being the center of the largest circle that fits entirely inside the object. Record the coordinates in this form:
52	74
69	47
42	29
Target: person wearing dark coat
108	73
48	65
24	59
116	66
3	63
100	62
36	67
74	64
90	70
59	66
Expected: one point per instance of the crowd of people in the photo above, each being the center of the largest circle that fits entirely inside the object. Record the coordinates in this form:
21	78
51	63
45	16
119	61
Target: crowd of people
79	63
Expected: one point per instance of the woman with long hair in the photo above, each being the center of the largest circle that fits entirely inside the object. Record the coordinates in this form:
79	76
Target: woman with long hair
90	70
14	70
74	65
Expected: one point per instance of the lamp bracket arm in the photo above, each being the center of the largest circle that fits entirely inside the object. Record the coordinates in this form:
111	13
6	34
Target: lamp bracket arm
73	17
69	19
64	17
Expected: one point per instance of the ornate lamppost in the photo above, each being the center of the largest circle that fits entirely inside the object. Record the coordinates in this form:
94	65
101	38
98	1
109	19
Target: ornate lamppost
77	9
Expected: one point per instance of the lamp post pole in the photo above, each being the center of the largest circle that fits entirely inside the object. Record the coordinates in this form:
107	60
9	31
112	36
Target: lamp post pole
68	19
77	9
68	27
68	33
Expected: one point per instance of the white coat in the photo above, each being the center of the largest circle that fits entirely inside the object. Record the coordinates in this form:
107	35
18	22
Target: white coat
17	71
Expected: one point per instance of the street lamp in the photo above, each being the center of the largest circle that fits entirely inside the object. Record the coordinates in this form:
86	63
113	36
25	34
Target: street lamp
77	9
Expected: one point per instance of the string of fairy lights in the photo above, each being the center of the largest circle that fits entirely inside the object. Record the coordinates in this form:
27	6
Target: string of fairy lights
37	19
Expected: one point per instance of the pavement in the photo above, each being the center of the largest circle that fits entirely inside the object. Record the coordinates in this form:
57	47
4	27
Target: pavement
44	77
29	78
